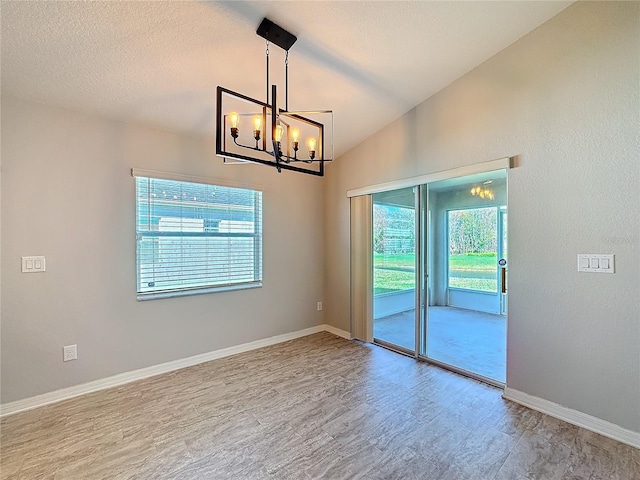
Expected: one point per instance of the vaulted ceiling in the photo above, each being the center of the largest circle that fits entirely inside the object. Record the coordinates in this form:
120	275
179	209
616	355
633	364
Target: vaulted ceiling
160	62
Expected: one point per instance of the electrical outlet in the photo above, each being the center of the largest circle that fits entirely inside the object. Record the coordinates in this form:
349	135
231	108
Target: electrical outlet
319	306
70	352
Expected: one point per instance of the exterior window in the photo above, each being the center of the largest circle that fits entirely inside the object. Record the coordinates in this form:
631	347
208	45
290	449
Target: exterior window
196	238
473	249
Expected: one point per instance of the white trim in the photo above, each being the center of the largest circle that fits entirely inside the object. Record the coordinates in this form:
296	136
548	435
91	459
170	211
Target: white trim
574	417
135	375
179	177
337	331
498	164
143	297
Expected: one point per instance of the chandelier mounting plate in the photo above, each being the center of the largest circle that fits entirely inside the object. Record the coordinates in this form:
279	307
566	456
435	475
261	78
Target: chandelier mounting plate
276	34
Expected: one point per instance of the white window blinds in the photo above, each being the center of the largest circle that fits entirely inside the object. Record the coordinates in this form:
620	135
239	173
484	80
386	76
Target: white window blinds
193	236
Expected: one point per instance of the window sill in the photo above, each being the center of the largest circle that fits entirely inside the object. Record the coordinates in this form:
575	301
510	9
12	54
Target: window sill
196	291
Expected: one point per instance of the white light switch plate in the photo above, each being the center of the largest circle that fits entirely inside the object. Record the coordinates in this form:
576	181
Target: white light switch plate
33	264
593	263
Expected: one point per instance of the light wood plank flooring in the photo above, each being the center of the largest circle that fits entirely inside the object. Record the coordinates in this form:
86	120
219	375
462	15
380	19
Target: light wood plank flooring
312	408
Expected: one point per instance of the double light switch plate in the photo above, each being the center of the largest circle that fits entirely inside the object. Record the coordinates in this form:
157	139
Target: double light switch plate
33	264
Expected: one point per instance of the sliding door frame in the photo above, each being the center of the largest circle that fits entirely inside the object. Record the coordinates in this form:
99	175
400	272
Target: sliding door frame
422	258
499	164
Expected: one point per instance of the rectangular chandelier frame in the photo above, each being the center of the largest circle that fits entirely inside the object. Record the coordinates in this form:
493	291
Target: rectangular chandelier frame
268	117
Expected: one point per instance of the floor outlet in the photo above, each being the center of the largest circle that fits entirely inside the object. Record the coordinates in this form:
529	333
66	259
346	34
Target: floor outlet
70	352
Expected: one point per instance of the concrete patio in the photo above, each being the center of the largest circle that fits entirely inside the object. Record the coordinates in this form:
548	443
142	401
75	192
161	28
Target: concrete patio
466	339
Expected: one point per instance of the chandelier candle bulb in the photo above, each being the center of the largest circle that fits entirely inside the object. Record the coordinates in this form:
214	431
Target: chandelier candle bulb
277	136
278	133
257	122
295	134
312	148
234	120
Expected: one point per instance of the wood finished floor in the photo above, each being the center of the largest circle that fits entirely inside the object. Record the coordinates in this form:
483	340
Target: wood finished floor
312	408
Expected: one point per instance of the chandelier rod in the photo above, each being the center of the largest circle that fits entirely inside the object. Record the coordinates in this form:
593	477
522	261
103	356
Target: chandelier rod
267	52
286	81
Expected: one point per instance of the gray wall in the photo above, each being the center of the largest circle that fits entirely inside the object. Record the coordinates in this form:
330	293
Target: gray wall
67	194
565	100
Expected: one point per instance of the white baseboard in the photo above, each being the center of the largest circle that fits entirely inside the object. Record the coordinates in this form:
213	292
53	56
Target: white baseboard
128	377
574	417
337	331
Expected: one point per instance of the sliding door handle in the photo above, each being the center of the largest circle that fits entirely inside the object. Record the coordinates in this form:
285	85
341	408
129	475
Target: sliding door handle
504	279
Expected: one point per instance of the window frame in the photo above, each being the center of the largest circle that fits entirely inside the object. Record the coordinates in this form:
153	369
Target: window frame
211	288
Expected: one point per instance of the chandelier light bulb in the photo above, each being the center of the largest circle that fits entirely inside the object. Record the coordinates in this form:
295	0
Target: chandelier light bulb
234	119
312	148
257	122
295	135
277	134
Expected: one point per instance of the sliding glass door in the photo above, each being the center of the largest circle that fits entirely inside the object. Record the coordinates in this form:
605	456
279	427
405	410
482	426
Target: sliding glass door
464	322
394	269
439	254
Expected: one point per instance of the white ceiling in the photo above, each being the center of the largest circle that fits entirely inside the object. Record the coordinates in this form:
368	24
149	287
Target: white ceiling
160	62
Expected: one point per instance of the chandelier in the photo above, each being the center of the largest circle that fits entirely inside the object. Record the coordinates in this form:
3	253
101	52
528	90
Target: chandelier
483	191
252	131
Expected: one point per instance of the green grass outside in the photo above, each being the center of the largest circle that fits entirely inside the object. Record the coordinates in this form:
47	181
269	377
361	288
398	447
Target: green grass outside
401	273
481	261
393	261
474	261
392	280
484	284
401	277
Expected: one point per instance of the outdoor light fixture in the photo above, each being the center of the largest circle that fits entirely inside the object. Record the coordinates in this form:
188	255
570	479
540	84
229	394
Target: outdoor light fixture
252	131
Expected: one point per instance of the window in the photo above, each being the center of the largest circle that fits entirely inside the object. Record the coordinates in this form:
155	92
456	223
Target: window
196	238
473	249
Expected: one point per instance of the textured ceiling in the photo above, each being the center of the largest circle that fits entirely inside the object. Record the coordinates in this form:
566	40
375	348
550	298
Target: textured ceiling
160	62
